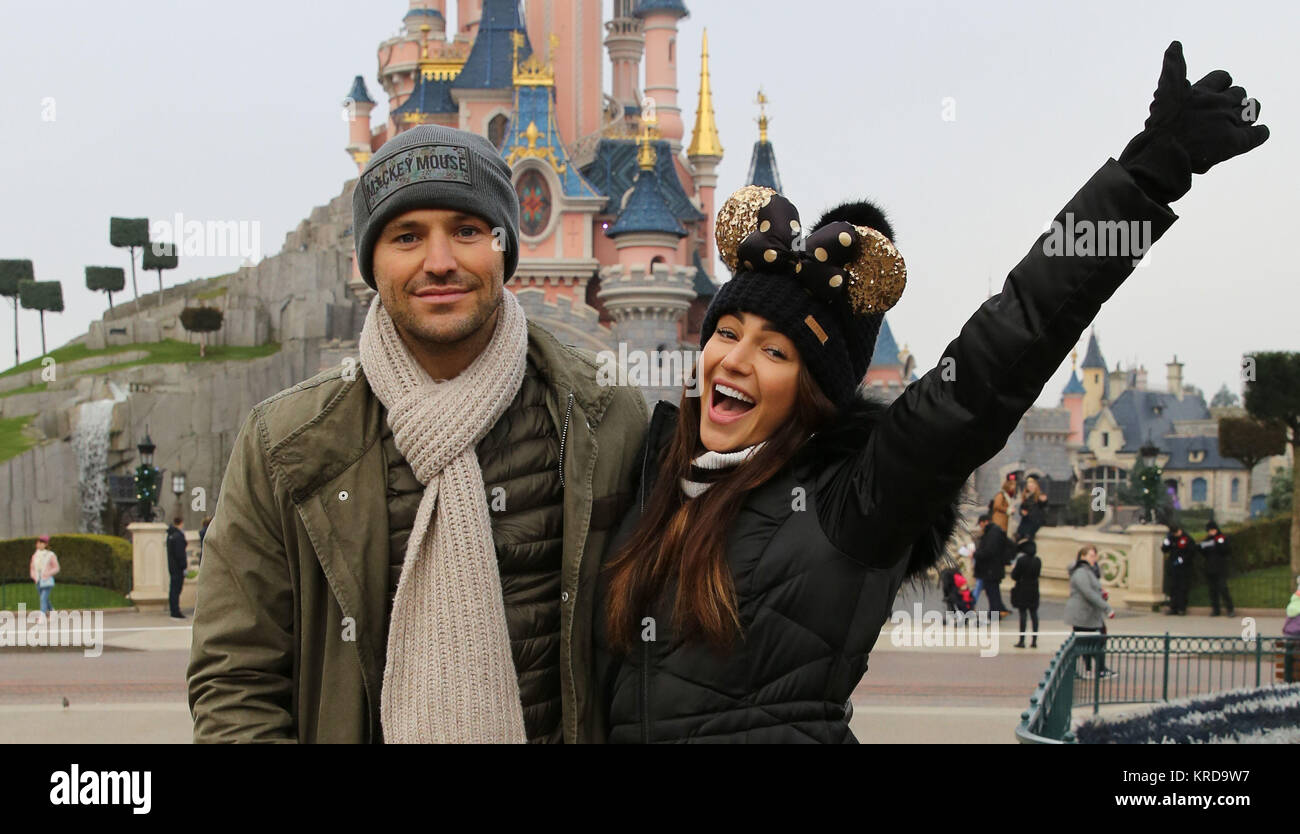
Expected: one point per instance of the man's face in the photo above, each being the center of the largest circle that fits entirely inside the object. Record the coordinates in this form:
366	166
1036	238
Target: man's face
438	275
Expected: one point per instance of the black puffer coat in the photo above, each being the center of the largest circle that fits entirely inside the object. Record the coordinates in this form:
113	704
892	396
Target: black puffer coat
814	587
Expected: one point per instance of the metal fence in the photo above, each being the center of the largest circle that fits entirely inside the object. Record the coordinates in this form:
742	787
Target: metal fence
1093	669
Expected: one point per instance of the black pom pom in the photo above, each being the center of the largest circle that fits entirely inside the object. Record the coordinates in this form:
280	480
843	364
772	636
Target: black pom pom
859	213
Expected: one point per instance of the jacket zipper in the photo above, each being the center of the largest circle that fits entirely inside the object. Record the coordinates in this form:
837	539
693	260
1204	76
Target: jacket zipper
645	691
564	434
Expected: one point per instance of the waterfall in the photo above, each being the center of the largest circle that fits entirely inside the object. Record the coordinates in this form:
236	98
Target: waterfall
90	442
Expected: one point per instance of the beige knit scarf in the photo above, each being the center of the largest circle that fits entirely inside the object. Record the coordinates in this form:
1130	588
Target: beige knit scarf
450	676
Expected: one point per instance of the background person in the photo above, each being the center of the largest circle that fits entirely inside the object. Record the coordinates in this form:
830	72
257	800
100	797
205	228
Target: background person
42	568
1024	595
1180	548
177	563
1087	610
1000	507
991	563
1217	561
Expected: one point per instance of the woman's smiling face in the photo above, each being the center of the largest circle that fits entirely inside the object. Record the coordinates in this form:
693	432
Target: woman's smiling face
749	376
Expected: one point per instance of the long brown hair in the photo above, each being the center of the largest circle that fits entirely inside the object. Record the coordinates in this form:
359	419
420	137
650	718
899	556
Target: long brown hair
681	544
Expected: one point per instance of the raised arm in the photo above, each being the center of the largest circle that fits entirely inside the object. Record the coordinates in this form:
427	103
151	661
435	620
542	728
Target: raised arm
962	412
241	660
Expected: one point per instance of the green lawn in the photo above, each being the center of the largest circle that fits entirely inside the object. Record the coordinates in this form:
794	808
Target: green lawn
14	437
63	596
166	352
1262	588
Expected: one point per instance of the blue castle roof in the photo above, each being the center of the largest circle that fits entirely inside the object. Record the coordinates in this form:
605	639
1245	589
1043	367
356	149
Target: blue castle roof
423	13
490	63
762	167
646	7
358	93
614	169
429	96
704	286
1092	359
886	352
646	210
1074	386
536	105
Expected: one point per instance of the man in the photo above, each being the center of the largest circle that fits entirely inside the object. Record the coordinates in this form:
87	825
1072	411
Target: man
1215	549
1179	547
177	562
990	563
406	551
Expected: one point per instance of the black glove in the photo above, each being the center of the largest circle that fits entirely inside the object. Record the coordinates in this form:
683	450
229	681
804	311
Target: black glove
1192	128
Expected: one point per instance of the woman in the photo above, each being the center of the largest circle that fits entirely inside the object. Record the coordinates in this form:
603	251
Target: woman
1000	507
42	568
1024	595
779	512
1033	510
1087	610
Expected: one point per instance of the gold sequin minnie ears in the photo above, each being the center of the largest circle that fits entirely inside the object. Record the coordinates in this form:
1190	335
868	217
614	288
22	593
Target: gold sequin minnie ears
851	267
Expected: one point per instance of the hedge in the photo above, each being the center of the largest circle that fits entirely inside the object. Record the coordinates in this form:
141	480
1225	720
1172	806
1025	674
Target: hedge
1261	543
84	559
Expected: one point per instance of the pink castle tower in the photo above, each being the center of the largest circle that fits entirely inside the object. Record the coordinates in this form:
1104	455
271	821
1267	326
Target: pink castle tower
1072	401
615	222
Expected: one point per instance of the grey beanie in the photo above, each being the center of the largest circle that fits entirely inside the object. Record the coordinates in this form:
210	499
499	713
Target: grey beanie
431	166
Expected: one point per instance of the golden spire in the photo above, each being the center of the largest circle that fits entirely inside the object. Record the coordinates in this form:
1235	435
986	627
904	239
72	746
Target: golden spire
761	101
1074	360
646	156
533	71
705	141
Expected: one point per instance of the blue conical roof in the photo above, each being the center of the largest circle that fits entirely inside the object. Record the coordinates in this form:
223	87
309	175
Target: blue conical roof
490	63
886	352
1074	386
1092	359
762	167
358	93
646	210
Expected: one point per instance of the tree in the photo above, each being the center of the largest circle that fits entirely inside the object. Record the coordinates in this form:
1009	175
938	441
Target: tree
1250	440
1273	393
107	279
46	296
130	233
159	256
1280	491
1146	489
1224	398
13	273
201	320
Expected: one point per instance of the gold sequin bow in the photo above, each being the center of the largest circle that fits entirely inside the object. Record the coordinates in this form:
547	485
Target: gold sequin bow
855	266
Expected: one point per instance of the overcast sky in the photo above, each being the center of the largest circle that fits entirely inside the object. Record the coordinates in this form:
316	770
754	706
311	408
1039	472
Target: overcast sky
230	111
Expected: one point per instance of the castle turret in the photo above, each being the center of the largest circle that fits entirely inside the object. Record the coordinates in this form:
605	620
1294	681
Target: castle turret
1175	378
660	20
762	164
431	13
705	153
625	41
646	294
469	14
358	105
577	27
1096	381
1072	397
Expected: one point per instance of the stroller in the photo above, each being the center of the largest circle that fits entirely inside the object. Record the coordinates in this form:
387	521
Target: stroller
956	591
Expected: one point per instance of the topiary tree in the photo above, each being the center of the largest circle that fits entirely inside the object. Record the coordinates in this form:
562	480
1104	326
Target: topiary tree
45	296
1224	398
13	273
159	256
1250	440
107	279
1273	393
202	320
129	232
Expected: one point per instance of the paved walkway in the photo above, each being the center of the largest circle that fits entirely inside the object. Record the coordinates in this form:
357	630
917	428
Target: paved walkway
135	689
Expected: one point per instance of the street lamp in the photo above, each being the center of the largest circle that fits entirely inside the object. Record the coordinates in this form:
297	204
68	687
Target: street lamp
178	489
146	478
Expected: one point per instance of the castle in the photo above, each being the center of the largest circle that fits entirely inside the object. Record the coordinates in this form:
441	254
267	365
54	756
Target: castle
616	207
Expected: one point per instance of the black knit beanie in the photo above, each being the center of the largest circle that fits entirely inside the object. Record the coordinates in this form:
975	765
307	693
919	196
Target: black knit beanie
827	293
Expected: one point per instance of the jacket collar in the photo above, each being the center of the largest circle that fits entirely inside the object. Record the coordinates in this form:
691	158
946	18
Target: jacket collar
351	421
